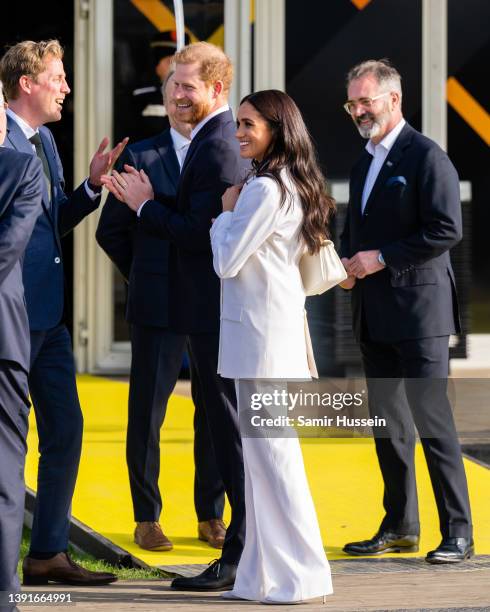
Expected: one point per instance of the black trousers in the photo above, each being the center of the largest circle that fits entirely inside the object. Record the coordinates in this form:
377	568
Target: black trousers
156	360
14	412
407	385
59	421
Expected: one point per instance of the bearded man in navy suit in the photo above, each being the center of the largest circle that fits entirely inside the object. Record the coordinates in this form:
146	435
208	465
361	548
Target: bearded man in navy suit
404	216
20	206
35	85
201	83
157	352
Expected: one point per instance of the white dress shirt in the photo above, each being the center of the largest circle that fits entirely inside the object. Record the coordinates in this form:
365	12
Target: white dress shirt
379	153
181	145
201	124
29	132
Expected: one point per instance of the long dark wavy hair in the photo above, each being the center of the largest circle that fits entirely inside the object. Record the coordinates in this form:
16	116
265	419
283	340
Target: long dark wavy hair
291	148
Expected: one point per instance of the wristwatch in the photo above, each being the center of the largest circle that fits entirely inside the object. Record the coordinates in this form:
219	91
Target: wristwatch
381	259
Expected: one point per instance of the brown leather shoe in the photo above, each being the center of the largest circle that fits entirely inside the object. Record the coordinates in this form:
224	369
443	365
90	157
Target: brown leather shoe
213	532
149	535
63	570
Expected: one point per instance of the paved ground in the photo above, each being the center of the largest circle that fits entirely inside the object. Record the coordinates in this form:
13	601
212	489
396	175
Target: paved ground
364	585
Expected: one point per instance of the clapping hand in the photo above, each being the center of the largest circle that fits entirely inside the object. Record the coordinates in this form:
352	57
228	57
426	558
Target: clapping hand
230	197
103	161
131	187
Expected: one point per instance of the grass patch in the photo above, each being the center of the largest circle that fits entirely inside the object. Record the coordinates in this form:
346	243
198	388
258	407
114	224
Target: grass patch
95	565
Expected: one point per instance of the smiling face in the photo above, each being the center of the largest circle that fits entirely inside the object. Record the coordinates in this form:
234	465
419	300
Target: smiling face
194	98
376	120
181	126
47	92
253	133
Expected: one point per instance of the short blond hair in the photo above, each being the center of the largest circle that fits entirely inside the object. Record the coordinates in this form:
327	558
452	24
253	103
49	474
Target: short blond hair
214	64
26	58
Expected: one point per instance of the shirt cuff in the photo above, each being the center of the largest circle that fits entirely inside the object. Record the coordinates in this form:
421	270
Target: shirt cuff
93	195
138	212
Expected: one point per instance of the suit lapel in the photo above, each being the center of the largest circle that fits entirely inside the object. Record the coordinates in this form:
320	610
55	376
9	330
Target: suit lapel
359	178
16	137
165	149
392	160
19	142
224	117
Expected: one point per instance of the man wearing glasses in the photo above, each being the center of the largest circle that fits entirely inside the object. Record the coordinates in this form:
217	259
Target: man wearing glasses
404	216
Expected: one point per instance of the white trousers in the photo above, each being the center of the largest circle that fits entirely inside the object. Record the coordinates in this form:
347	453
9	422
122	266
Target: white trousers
283	559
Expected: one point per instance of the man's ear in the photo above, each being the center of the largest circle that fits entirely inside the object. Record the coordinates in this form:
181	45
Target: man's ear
395	98
25	83
218	88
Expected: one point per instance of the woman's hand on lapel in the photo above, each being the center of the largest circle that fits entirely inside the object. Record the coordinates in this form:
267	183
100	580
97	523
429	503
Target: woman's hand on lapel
230	197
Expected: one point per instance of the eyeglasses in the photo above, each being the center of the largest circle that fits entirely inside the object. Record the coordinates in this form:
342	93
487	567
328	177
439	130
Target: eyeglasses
351	105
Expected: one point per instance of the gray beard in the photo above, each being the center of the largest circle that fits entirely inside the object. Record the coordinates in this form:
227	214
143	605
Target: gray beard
371	132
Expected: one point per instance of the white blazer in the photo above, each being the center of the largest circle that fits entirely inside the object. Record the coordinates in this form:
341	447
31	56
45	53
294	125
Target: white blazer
256	250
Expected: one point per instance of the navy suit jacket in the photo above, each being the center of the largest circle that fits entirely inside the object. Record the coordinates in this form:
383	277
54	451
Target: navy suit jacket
43	262
413	215
140	256
212	164
20	205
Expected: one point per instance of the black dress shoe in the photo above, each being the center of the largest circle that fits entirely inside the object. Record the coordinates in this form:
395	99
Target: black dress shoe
384	542
451	550
218	576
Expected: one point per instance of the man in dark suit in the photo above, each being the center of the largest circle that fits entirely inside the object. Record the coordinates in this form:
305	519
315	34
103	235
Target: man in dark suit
35	84
404	215
157	352
20	206
201	83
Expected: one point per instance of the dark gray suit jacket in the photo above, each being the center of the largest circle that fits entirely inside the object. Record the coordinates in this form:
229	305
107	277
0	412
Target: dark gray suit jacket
212	164
21	184
413	215
43	274
140	256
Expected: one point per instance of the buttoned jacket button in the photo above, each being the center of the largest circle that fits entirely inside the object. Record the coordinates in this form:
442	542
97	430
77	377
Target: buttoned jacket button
57	260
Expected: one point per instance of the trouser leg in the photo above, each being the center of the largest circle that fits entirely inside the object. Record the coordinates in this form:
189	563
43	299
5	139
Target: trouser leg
14	410
155	366
59	420
425	363
395	444
209	491
219	400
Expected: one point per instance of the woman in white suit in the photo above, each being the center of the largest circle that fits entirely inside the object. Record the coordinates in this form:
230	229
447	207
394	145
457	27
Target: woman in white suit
258	240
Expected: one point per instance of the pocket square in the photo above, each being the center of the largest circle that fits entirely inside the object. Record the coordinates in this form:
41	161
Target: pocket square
395	180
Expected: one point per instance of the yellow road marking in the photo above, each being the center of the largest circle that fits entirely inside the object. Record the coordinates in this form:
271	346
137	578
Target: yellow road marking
343	475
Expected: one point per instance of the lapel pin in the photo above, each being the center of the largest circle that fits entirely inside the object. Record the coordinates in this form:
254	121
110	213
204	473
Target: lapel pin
389	164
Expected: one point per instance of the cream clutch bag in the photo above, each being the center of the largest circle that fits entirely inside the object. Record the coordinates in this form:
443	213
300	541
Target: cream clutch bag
321	271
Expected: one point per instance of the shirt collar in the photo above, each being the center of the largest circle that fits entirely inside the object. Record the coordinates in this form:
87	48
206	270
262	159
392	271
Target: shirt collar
178	140
201	124
27	130
388	141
